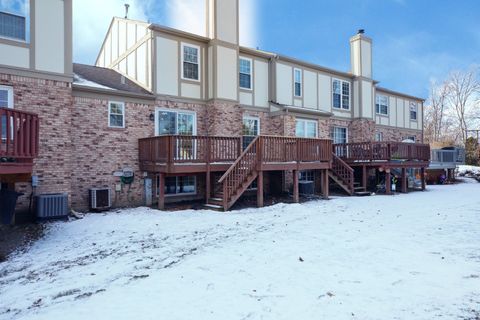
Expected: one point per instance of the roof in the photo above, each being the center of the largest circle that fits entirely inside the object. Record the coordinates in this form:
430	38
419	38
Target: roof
105	79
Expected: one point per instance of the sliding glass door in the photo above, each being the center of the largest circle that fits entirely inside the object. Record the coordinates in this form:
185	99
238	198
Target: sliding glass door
181	123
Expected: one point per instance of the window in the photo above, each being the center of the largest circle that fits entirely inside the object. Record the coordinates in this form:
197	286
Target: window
172	122
307	175
339	135
413	111
298	82
411	138
6	97
13	25
190	62
186	185
341	94
306	128
251	129
6	101
379	136
116	115
381	105
245	73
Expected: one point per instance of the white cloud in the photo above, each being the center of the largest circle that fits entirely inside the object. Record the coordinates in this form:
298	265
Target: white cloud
91	19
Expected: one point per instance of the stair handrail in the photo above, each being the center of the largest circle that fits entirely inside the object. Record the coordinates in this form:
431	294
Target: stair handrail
242	155
337	160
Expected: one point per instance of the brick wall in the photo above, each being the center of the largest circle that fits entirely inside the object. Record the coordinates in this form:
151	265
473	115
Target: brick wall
52	101
399	134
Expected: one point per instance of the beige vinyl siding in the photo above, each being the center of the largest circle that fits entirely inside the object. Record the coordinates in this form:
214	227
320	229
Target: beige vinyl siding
167	69
226	26
50	36
392	111
190	90
14	56
260	82
227	73
367	102
325	92
284	83
310	88
366	59
246	98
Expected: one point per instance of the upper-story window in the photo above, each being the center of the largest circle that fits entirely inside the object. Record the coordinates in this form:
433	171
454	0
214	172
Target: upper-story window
6	97
381	105
190	62
378	136
245	73
341	94
116	114
413	111
298	82
14	19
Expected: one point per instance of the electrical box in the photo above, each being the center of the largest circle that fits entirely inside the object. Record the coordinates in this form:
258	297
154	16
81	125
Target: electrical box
128	176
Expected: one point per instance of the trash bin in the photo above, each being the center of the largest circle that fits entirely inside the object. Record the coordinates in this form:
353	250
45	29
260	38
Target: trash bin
8	201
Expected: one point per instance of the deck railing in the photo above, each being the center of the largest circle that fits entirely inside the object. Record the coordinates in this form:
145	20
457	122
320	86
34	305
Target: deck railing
205	149
19	132
382	151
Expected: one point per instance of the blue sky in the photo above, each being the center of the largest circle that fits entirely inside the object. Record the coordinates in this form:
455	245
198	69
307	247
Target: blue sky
414	41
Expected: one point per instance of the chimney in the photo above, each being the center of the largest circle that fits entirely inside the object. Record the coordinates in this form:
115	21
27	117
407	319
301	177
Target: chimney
222	20
361	55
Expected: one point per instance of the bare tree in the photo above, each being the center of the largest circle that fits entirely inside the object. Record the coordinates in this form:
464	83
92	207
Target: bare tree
464	88
435	114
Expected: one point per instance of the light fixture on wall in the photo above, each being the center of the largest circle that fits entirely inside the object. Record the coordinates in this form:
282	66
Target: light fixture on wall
151	117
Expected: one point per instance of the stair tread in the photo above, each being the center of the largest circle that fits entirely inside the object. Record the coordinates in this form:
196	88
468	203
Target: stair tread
213	206
363	194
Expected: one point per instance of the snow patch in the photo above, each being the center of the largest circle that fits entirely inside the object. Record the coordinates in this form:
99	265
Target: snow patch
79	80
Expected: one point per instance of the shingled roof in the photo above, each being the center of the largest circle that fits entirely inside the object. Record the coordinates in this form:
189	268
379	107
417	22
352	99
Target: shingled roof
104	78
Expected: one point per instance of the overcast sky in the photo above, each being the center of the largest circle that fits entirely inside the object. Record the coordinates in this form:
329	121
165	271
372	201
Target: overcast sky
415	41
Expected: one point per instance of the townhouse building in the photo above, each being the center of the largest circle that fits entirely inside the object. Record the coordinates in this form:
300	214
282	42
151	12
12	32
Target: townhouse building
193	117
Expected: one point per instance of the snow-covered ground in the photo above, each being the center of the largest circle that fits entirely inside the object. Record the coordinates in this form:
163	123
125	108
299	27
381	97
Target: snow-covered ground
414	256
465	169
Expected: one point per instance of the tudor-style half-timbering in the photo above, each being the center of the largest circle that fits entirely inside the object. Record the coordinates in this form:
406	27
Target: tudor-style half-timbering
33	41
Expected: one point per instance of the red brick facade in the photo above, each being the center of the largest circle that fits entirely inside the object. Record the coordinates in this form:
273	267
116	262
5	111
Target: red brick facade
79	151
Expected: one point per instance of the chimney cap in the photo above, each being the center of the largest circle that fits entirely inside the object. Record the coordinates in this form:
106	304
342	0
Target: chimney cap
361	31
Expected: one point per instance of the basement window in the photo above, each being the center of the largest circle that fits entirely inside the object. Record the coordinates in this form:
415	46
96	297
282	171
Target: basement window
116	114
381	105
185	185
190	62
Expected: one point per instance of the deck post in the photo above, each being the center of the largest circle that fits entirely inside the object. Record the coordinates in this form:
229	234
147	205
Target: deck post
326	185
161	192
404	180
364	177
295	186
207	186
260	189
422	176
388	182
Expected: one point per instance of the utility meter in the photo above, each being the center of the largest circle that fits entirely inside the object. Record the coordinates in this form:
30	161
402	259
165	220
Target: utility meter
127	176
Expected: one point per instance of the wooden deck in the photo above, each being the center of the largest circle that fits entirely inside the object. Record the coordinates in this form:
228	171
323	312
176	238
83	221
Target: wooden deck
195	154
18	142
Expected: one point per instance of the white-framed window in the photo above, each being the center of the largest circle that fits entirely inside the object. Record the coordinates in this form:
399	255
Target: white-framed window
306	128
339	135
14	20
6	97
116	114
245	76
411	138
297	75
180	185
250	129
190	62
175	122
381	104
6	101
341	94
306	175
379	136
413	111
